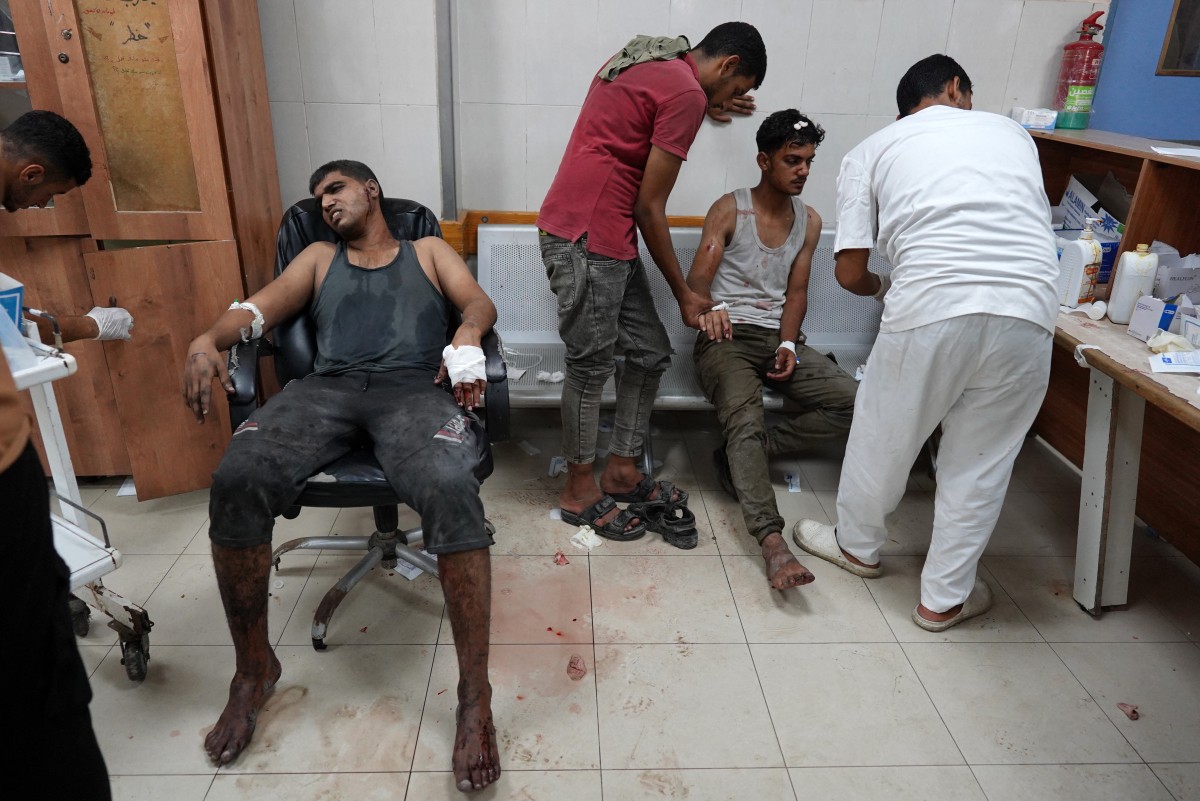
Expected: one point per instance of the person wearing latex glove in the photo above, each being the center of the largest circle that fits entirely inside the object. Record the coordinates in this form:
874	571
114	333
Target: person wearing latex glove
380	320
755	257
42	155
954	199
103	323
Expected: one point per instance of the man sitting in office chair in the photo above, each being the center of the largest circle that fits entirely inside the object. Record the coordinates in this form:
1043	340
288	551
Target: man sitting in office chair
381	309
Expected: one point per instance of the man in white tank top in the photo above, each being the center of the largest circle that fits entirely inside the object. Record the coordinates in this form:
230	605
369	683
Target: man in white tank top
754	258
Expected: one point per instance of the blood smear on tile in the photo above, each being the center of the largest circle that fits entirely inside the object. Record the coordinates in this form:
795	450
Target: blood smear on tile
576	667
560	558
1130	710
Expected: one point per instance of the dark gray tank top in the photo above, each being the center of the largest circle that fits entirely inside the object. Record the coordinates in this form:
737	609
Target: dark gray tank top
381	319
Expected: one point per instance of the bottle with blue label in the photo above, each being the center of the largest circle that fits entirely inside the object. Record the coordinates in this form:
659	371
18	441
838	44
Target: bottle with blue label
1079	266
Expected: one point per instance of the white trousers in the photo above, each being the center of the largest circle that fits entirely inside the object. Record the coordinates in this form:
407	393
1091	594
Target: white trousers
983	378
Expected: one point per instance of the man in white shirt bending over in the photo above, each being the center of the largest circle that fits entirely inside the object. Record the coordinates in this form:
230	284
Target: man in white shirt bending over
755	256
954	199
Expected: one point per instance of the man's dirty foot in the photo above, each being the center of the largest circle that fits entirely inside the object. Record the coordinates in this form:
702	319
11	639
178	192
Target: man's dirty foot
476	759
232	732
784	571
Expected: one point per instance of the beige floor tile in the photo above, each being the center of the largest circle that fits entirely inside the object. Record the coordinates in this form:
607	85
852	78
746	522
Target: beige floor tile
1039	468
93	655
523	522
835	608
162	526
1162	679
1034	524
654	599
384	608
353	709
1041	588
661	707
157	726
1071	782
135	581
523	462
514	785
914	783
729	526
1181	779
157	788
1173	585
186	607
842	705
909	527
535	601
898	591
308	787
761	784
1015	703
544	720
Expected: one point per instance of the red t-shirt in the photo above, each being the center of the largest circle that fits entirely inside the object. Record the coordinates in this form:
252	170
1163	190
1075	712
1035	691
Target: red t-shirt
654	103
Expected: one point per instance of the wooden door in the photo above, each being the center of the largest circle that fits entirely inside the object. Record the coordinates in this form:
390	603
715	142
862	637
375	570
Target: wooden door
67	215
134	77
174	292
56	280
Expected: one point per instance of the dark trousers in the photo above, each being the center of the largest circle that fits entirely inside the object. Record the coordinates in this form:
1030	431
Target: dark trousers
49	737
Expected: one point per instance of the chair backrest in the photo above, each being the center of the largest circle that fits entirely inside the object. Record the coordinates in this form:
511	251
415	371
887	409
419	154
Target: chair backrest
302	224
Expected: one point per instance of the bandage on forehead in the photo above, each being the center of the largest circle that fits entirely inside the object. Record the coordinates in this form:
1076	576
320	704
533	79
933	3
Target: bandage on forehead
465	364
256	325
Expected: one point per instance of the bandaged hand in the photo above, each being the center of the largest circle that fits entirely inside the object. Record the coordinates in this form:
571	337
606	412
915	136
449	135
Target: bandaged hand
113	323
467	370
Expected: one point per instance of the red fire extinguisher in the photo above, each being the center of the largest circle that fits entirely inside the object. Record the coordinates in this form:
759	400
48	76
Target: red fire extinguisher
1077	76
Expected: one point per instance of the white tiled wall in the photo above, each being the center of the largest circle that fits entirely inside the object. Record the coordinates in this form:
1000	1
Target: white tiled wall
357	79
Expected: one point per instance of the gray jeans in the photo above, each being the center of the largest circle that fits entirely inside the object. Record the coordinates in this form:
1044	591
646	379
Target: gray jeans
604	304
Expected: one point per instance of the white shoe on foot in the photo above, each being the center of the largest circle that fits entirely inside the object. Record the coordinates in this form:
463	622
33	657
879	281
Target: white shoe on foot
820	539
978	602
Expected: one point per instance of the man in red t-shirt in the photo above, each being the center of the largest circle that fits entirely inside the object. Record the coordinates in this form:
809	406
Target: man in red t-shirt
639	119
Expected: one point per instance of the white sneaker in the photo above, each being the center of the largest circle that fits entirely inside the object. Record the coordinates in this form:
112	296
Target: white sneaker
978	602
820	539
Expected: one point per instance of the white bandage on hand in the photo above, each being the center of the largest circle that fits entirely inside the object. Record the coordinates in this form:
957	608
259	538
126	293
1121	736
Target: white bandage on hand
885	283
113	323
465	364
787	344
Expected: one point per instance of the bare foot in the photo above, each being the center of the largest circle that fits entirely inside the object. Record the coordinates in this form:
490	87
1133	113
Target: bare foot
476	759
234	728
784	571
938	617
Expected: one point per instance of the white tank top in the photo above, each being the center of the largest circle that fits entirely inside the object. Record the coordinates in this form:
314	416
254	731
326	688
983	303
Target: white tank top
752	278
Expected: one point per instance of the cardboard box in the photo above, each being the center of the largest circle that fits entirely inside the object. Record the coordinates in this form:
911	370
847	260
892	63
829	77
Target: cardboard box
1150	315
1102	197
12	297
1190	328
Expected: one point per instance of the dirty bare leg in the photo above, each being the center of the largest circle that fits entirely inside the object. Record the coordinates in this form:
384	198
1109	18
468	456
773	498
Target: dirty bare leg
242	575
783	569
467	584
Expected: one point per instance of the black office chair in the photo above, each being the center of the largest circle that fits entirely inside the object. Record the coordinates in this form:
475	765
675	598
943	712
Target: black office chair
356	479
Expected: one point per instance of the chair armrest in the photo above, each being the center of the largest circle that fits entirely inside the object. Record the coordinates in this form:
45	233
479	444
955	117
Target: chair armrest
496	408
243	374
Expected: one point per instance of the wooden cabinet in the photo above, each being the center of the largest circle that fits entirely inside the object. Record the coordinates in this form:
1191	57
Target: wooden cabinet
171	98
1166	206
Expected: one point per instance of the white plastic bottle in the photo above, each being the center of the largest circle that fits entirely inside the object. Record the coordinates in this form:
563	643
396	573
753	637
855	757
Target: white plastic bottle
1078	267
1135	278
